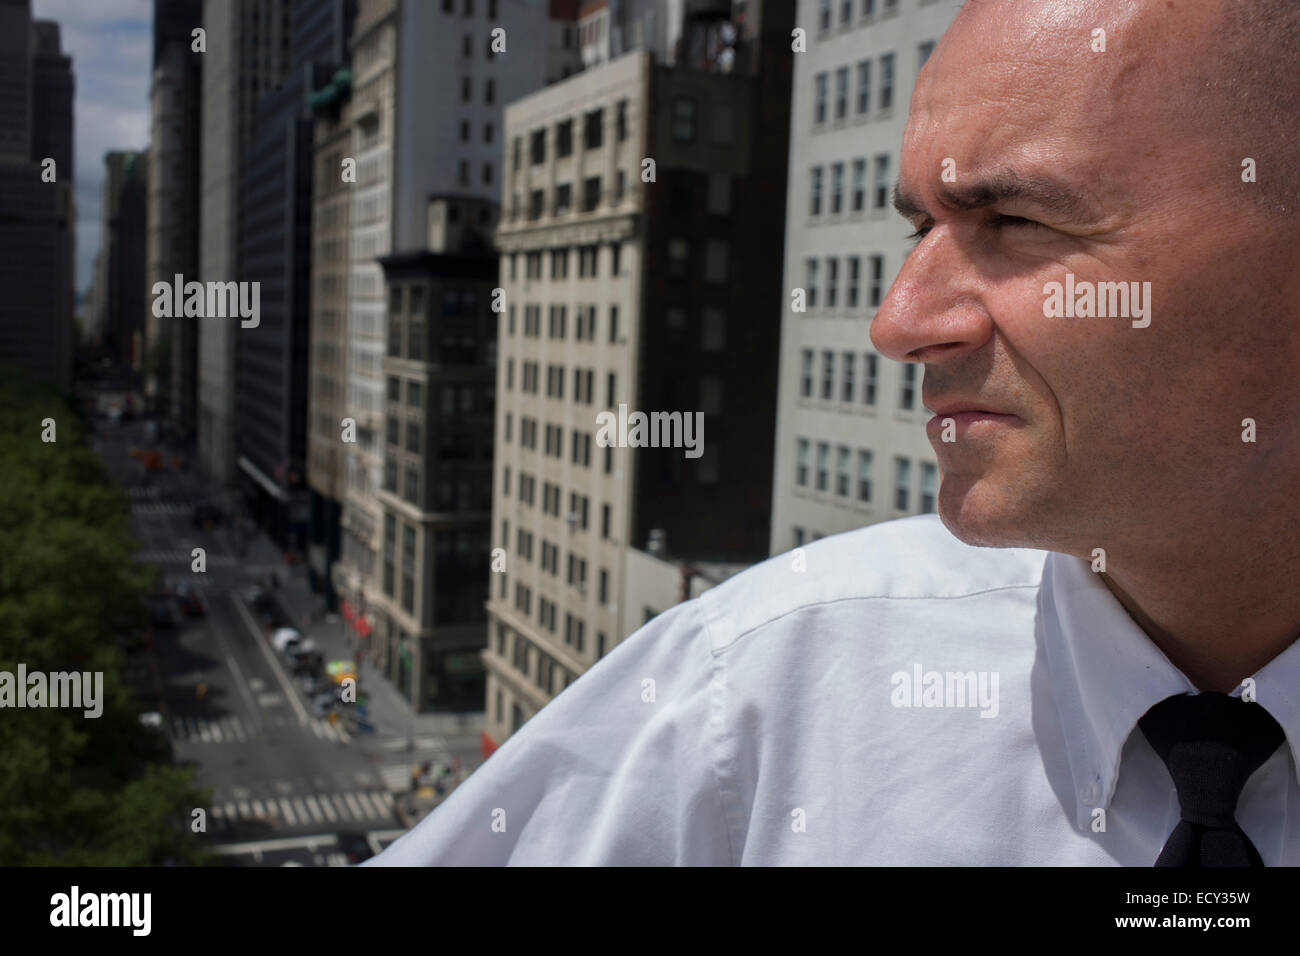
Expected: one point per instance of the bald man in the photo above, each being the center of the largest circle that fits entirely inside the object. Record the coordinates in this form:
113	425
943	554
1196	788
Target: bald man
1089	657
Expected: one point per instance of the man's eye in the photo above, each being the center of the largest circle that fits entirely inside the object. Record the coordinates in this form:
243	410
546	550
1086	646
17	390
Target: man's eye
919	234
1001	222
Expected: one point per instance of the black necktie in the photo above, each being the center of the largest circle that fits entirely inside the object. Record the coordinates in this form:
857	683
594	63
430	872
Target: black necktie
1211	744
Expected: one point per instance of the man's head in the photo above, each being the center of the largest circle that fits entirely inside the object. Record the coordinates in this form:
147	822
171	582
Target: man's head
1122	165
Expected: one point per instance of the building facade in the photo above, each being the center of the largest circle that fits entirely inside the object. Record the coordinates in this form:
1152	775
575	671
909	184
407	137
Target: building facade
37	231
248	49
634	193
850	449
172	244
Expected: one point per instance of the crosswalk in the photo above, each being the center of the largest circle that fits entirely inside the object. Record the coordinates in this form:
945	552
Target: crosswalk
159	509
312	808
233	730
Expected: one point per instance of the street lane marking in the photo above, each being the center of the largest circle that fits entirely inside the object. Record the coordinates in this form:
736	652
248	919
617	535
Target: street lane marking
260	641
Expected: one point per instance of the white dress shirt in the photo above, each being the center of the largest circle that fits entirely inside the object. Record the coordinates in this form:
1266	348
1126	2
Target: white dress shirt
763	723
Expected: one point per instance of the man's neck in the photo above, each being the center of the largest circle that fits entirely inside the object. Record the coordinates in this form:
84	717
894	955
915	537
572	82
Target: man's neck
1216	627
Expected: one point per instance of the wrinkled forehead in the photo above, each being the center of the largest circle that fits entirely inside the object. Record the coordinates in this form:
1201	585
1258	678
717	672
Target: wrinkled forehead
1073	78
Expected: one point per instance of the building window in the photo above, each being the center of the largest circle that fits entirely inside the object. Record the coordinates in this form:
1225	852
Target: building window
810	281
824	15
832	282
887	81
821	84
590	193
828	375
841	92
714	331
537	147
390	548
613	323
902	481
842	458
851	282
490	96
877	288
408	569
823	465
801	463
929	487
806	374
390	433
592	129
683	119
394	389
864	87
413	437
678	255
563	138
882	181
870	370
815	203
848	362
837	188
923	51
859	196
715	261
620	121
907	397
466	89
864	476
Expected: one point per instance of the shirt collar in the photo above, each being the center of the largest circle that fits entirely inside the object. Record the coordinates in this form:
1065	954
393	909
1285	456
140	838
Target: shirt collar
1107	673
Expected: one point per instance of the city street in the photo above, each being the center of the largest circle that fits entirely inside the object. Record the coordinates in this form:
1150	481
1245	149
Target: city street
288	788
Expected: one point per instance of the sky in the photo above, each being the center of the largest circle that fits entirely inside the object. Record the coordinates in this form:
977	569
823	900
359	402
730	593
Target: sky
111	44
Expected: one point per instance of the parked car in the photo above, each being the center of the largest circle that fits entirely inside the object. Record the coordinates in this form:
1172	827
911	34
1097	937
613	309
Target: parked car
162	611
308	665
191	604
283	638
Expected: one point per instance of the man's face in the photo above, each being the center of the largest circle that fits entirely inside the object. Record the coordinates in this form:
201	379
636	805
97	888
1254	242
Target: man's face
1070	160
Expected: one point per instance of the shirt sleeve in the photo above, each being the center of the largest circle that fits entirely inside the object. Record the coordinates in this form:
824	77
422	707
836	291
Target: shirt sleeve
621	768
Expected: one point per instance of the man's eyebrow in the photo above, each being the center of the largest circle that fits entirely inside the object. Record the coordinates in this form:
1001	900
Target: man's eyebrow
1000	187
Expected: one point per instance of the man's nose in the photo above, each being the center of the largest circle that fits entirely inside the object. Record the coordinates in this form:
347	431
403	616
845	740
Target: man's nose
933	312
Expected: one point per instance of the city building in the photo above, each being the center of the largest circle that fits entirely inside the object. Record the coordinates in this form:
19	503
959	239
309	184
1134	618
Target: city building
124	298
37	230
274	248
247	51
850	447
625	295
424	119
436	493
172	246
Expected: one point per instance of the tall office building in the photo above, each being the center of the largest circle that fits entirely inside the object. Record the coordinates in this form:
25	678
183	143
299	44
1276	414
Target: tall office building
274	243
248	50
124	228
425	119
850	447
627	296
37	230
173	204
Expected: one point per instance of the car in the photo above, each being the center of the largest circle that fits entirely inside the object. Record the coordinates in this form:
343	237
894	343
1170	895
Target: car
355	846
191	603
162	611
308	665
284	637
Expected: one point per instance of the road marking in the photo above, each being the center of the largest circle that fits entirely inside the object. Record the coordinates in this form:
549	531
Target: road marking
371	809
282	843
260	641
216	732
353	806
328	806
314	807
300	809
385	799
243	808
258	810
230	811
289	816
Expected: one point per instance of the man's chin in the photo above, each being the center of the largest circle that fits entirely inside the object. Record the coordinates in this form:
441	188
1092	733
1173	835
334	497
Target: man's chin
982	514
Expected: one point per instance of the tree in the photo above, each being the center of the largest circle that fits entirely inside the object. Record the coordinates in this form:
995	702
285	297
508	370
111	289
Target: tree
75	790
